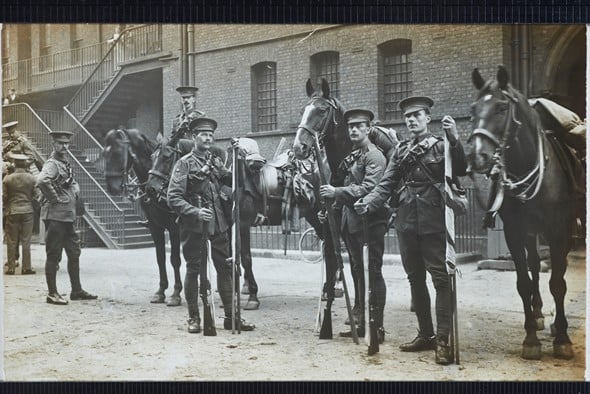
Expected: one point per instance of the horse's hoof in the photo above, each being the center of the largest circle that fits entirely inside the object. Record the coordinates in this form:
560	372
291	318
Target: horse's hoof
252	304
563	351
553	330
540	323
174	301
158	298
531	352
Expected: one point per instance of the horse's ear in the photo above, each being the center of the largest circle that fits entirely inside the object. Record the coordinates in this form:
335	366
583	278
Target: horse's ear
309	87
502	77
325	88
478	81
159	137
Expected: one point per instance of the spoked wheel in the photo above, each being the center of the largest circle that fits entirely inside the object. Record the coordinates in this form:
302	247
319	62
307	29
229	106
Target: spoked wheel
311	246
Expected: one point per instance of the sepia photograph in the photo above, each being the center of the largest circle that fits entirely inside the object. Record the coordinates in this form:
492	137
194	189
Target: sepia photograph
293	202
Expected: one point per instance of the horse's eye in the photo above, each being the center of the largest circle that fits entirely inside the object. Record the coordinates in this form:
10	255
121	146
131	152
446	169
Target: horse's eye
501	107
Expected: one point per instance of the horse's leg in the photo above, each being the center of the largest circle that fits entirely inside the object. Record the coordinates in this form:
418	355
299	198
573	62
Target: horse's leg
329	254
159	240
174	233
559	246
515	234
534	263
253	302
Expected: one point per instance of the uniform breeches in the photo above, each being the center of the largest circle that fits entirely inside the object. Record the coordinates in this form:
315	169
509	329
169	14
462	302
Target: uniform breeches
195	254
421	253
19	229
60	236
354	244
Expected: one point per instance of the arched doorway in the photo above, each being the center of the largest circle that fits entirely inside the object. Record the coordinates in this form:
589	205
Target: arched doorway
565	70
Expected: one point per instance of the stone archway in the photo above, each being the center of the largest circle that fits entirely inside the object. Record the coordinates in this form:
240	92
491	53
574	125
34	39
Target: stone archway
565	69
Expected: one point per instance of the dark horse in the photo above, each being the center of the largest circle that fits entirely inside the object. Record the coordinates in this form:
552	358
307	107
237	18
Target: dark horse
532	195
126	149
323	119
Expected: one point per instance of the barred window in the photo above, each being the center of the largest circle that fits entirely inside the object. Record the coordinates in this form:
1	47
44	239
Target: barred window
264	96
395	77
326	65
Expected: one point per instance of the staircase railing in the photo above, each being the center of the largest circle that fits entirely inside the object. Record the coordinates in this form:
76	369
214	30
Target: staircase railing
64	68
94	194
132	43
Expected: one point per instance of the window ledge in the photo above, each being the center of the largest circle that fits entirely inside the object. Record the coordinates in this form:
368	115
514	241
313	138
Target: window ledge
254	134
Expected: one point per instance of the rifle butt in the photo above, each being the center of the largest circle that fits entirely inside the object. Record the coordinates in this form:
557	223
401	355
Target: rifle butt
208	323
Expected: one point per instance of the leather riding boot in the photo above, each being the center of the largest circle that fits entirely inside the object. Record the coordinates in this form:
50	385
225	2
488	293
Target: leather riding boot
74	274
419	343
51	282
378	319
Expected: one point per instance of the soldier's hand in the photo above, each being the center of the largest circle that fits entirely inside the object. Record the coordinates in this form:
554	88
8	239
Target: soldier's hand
361	207
205	214
450	128
62	200
235	142
322	216
327	191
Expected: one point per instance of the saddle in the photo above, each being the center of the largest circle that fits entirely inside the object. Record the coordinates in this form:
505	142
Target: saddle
567	125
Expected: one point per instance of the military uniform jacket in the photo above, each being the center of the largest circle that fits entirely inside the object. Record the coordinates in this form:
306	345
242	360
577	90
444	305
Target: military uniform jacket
421	207
182	120
18	192
19	144
201	175
364	169
56	181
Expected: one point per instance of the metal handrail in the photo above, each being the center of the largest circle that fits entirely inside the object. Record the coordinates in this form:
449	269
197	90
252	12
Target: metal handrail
81	126
88	176
76	105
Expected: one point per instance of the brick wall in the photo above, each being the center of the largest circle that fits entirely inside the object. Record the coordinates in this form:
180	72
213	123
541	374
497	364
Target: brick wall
442	56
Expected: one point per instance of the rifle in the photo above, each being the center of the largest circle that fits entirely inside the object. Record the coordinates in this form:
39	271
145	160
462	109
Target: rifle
326	331
208	319
236	250
372	337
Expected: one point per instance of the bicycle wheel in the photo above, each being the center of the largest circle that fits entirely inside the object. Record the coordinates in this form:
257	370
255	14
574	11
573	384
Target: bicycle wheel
311	247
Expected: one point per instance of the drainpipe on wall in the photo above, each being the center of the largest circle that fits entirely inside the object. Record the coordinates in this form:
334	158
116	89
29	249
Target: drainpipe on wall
515	57
190	54
525	60
182	57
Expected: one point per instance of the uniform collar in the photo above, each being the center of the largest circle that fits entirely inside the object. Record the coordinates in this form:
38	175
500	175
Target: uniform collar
201	155
422	137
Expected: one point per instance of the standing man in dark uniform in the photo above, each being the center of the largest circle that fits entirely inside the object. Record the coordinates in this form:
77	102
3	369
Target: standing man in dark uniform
17	143
18	194
363	169
414	172
61	191
200	195
181	122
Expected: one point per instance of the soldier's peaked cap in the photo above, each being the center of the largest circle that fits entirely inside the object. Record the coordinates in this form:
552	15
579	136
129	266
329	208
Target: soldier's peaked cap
416	103
202	124
10	124
18	158
358	115
61	136
187	90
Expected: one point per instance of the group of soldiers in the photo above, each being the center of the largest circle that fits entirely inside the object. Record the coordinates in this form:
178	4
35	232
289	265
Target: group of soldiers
55	193
408	182
200	193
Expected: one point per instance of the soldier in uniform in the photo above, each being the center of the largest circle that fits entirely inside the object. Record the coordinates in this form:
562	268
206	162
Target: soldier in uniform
17	143
56	182
181	122
200	195
420	221
363	170
18	195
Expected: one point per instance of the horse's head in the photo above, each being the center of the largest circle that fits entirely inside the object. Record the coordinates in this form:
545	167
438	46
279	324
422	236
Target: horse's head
118	160
322	118
494	119
126	148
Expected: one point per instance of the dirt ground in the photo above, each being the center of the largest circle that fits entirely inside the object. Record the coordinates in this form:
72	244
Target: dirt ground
121	336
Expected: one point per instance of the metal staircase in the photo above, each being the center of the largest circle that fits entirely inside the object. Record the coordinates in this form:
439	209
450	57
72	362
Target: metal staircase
113	219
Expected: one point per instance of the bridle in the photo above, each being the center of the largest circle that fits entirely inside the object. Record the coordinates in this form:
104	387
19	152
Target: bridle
522	188
320	135
128	152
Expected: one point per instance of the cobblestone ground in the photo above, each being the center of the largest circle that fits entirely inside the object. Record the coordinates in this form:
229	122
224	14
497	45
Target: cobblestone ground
121	336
